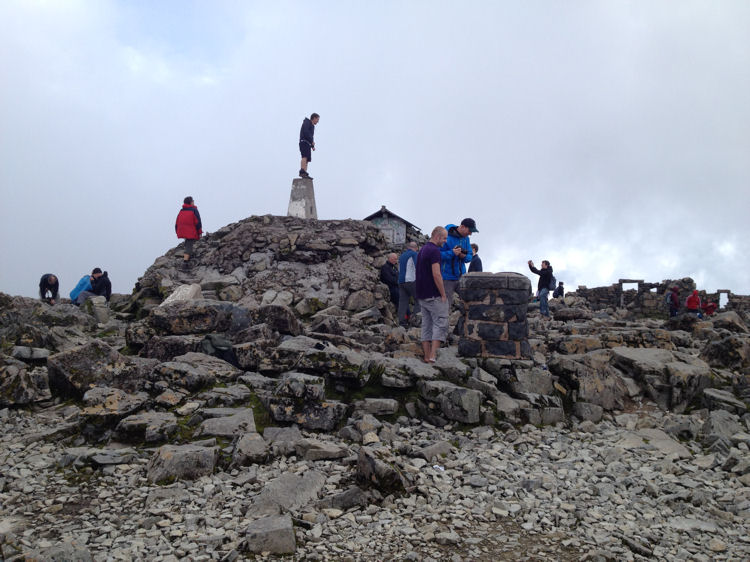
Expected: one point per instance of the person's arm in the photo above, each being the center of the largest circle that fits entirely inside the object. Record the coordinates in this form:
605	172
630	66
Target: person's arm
448	252
468	255
534	269
382	274
438	278
198	223
55	291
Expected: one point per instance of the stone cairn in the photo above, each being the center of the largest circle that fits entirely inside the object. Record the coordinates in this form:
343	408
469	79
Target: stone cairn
493	322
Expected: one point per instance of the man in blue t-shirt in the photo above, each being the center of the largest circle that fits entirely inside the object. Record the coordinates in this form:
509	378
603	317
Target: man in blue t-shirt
431	296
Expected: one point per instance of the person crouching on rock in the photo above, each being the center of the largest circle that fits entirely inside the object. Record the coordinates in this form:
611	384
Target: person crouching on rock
94	285
49	283
188	226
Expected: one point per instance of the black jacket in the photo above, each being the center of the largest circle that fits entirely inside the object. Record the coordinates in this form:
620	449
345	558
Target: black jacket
389	274
45	285
102	286
545	275
307	131
476	264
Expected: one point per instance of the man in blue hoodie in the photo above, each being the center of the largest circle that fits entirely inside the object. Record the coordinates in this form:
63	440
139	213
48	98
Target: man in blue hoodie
455	254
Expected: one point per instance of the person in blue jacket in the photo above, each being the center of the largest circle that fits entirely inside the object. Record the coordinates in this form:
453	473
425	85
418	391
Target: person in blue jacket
90	286
455	254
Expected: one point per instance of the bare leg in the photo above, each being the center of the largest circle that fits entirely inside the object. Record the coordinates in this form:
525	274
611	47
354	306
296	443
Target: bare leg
426	348
435	347
303	164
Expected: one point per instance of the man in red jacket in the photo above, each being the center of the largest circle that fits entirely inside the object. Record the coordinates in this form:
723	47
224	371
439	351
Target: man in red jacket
188	226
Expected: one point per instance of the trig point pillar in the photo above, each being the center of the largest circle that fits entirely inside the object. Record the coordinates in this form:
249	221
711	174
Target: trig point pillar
494	318
302	199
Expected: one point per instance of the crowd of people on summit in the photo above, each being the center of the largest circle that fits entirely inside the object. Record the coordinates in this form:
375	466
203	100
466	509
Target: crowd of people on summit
419	280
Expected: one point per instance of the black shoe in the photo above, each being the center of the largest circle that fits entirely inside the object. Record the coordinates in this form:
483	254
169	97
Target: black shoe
303	174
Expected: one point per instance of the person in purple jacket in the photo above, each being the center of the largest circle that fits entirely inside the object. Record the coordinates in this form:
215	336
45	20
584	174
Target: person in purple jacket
431	294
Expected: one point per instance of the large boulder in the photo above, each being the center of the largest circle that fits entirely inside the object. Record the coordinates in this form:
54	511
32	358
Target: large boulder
198	316
111	403
21	385
288	492
148	427
378	468
228	422
730	321
273	534
72	373
195	371
731	352
456	402
181	462
593	379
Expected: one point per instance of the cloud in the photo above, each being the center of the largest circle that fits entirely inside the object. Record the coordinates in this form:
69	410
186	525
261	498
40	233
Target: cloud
610	138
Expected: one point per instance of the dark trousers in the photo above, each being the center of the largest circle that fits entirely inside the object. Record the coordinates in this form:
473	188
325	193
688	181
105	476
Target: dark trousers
406	292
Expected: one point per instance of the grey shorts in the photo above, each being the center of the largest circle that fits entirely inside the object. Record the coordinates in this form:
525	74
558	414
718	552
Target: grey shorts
434	319
189	243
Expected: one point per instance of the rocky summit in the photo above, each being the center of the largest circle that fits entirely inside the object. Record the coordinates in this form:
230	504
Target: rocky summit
265	403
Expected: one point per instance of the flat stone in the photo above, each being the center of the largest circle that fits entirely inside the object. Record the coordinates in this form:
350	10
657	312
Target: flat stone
273	534
240	422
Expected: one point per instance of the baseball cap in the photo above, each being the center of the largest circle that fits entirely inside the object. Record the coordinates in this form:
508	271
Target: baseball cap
470	224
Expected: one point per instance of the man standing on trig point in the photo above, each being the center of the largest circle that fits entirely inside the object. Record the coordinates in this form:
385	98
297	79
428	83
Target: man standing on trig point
307	143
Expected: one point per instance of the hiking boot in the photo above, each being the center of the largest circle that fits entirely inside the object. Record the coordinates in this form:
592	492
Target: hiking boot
304	174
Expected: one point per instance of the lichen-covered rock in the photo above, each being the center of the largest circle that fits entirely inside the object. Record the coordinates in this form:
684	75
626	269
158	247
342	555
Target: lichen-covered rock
148	427
324	416
230	422
198	316
729	321
250	449
732	352
378	468
456	403
195	371
72	373
166	348
593	379
21	385
181	462
107	402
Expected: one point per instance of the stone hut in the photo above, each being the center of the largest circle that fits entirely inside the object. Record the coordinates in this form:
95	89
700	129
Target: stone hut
396	230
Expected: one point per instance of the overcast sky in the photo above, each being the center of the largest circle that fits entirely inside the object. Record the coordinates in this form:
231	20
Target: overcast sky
611	138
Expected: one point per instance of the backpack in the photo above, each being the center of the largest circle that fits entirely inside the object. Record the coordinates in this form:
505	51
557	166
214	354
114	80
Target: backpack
552	283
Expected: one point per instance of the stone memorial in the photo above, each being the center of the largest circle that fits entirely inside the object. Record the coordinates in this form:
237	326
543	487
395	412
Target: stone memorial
493	323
